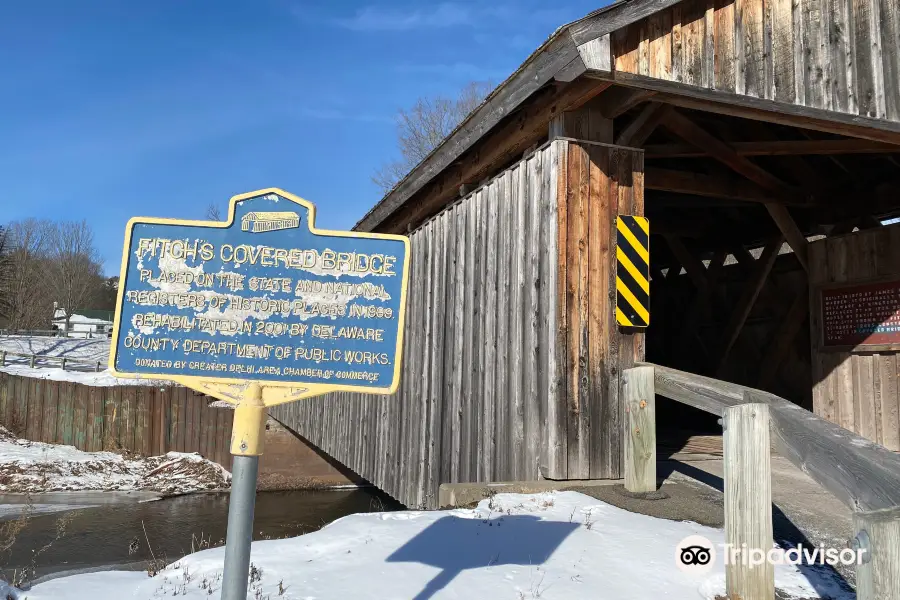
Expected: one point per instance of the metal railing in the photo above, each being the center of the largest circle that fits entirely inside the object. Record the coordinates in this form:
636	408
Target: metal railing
862	474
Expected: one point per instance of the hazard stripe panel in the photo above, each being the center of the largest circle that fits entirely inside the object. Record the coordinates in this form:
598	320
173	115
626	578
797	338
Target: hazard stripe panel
632	271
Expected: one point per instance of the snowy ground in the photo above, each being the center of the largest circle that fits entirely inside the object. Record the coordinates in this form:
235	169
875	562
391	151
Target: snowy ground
551	546
90	350
34	467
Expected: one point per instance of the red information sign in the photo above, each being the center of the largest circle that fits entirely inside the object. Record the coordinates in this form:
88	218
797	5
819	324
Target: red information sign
862	314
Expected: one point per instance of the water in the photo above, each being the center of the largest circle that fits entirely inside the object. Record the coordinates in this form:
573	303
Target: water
113	535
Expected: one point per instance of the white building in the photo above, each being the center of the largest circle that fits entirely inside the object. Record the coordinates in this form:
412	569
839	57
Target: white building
83	323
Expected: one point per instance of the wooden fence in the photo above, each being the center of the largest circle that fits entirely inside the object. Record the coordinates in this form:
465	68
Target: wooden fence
863	475
147	420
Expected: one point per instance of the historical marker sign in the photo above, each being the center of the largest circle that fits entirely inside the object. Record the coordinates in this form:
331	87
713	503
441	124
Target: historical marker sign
263	297
861	315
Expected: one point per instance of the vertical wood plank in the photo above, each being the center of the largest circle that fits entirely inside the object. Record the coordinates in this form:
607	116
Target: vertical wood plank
725	45
842	63
80	425
558	414
436	392
501	393
862	396
126	422
35	404
660	57
478	341
516	321
782	25
459	328
65	418
489	400
599	231
889	17
51	411
95	418
867	57
4	398
748	498
890	402
467	362
531	342
577	309
640	430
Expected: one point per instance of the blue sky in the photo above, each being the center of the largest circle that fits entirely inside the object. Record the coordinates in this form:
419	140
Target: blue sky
158	108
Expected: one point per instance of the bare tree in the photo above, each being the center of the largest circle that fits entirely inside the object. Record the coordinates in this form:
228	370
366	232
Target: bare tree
213	213
74	266
423	126
24	303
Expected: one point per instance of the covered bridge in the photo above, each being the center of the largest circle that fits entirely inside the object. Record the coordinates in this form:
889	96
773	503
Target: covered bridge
760	138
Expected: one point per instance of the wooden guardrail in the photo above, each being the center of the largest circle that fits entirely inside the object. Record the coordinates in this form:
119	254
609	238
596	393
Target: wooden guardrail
63	361
862	474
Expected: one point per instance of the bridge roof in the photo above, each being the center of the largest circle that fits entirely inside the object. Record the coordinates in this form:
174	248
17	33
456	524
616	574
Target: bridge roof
782	68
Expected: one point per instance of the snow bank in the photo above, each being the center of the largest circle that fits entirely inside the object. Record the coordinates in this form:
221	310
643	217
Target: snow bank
551	546
35	467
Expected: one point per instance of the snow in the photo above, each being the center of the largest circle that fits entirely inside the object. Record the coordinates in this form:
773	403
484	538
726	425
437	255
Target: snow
553	546
82	349
91	350
35	467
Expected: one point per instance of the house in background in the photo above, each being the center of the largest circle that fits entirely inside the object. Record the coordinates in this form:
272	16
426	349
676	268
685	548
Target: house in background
84	323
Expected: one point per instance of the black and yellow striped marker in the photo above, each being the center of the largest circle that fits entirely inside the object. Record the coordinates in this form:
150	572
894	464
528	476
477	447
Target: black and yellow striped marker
632	271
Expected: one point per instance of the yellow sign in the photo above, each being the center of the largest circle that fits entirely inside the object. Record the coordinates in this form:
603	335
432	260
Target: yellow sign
632	271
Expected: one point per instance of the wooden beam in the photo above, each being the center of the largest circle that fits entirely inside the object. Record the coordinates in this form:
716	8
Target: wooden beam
795	238
585	123
863	475
748	298
643	125
692	133
692	265
699	184
640	430
879	533
777	148
747	476
786	333
619	100
500	148
758	109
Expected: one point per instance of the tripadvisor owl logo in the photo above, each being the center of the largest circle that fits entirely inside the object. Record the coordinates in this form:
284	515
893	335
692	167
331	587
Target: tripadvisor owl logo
695	555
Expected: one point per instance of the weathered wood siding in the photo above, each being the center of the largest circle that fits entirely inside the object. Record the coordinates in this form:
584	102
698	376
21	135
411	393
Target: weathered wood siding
143	419
600	182
858	390
512	364
840	55
479	365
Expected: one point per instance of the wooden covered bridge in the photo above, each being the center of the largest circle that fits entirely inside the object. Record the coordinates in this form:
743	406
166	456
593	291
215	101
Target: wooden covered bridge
762	141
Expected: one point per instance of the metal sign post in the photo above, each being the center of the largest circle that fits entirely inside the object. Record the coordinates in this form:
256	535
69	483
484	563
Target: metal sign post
259	310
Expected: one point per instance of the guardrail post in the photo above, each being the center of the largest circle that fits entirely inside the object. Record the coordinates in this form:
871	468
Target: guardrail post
31	364
748	503
878	535
3	358
63	364
640	430
97	370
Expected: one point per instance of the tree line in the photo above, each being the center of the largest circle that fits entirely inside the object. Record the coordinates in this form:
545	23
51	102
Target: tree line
44	261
